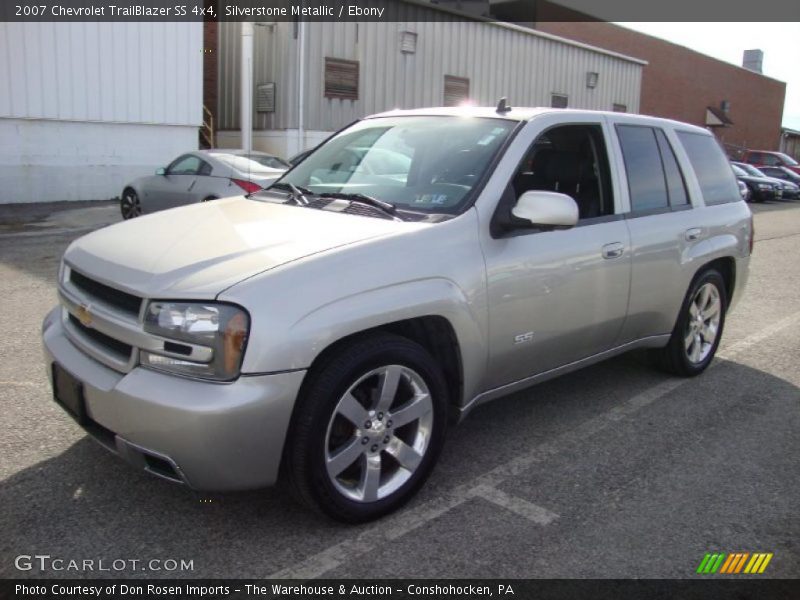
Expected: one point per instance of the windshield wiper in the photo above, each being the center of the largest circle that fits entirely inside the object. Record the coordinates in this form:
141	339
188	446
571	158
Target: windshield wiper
296	194
386	207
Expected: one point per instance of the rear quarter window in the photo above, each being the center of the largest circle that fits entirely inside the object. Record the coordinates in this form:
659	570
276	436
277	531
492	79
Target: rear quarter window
713	171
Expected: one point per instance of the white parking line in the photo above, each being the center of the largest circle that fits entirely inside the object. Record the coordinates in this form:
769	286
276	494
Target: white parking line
374	536
520	506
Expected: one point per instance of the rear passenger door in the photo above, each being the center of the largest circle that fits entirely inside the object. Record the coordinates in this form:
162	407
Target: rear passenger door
663	225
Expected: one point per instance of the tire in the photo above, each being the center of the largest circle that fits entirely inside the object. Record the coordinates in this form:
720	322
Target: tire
209	199
129	204
362	466
699	328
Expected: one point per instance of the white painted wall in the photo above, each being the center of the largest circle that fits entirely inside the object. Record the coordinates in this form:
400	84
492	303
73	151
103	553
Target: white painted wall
84	107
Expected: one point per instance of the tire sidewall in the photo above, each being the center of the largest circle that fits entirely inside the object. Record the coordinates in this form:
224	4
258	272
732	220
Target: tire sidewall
707	276
322	399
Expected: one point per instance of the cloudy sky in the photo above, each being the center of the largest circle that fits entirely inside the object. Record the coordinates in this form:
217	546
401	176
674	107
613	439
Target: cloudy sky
726	41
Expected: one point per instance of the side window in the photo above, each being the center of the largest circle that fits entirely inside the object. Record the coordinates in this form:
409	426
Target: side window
184	165
712	169
205	168
572	160
646	183
770	159
675	183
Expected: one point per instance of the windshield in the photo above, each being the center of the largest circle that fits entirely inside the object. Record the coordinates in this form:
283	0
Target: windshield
787	160
738	172
750	170
427	164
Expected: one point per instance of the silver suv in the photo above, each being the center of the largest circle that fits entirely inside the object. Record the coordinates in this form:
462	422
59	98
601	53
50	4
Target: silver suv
415	265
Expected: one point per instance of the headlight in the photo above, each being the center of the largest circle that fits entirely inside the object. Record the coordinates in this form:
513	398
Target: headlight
219	330
764	186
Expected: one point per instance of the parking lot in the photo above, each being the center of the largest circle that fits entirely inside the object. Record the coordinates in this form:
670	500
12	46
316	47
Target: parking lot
615	471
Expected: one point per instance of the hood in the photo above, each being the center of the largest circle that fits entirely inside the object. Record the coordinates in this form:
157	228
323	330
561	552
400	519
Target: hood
200	250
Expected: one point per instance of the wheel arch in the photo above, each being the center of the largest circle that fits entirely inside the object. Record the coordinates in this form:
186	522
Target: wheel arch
435	333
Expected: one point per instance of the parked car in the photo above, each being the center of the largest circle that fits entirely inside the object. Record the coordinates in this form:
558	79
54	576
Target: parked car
761	188
744	191
787	188
768	158
329	328
200	176
781	173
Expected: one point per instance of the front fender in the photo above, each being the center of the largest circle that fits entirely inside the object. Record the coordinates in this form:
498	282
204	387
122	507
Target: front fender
317	330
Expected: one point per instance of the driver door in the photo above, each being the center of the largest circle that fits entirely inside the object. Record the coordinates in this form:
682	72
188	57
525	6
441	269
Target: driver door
174	188
558	296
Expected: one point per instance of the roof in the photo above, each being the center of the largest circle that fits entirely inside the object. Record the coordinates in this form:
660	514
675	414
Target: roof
523	113
526	30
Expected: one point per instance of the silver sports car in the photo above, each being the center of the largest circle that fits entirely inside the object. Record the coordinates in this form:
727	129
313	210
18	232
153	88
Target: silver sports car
200	176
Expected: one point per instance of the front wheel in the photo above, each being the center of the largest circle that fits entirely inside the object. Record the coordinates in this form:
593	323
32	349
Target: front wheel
368	428
129	205
698	331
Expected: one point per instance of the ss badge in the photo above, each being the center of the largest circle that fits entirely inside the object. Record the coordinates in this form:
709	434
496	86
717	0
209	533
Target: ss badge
523	337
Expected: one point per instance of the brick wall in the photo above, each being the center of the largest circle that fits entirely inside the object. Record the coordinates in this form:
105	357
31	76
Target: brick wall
679	83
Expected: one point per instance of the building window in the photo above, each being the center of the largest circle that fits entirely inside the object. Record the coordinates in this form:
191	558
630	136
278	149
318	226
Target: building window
620	108
456	90
341	78
559	100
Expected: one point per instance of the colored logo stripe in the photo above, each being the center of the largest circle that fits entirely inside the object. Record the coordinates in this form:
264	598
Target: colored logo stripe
734	563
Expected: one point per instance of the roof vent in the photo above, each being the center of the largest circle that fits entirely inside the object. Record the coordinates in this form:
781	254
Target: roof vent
503	106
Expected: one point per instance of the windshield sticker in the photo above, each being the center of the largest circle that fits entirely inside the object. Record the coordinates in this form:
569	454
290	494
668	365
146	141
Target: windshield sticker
436	199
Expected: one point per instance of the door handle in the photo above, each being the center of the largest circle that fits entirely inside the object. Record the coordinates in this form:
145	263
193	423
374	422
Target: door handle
693	234
613	250
191	186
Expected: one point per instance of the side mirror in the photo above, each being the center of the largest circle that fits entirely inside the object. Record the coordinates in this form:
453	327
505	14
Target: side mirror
161	171
546	209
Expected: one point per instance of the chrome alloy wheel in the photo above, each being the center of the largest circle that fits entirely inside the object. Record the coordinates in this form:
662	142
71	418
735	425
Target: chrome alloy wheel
130	205
702	327
379	433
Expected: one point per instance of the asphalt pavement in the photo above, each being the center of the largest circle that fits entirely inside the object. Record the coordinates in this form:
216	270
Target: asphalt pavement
615	471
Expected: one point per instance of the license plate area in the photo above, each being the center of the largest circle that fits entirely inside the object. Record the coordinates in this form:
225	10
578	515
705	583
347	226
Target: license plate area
68	392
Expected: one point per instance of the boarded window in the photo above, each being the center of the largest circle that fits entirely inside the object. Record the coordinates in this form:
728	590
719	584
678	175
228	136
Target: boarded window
341	78
559	100
620	108
456	90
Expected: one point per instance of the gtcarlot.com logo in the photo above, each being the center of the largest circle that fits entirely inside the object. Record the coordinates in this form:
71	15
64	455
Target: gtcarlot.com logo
45	562
734	563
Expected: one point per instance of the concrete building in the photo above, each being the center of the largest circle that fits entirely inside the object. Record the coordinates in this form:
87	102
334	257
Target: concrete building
85	107
313	78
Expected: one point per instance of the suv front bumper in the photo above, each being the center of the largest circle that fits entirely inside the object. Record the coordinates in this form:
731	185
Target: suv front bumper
209	436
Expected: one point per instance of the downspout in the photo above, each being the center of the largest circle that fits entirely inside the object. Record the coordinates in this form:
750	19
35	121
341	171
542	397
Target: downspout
301	92
246	100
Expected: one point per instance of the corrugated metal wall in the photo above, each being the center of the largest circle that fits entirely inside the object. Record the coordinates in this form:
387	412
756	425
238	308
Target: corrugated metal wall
498	60
106	72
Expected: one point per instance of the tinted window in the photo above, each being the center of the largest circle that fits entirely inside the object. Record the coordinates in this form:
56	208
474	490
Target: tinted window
712	169
185	165
646	183
675	183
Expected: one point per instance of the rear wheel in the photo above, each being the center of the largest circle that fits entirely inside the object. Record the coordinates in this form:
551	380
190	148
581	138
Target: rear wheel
209	199
697	333
368	428
129	204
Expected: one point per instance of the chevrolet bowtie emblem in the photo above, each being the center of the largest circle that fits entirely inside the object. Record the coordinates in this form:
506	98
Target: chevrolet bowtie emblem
84	315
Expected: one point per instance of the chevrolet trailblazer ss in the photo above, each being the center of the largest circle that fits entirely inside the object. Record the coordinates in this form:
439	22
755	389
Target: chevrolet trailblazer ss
415	265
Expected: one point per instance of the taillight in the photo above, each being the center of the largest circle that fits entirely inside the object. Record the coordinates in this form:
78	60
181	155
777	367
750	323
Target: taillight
752	234
247	186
